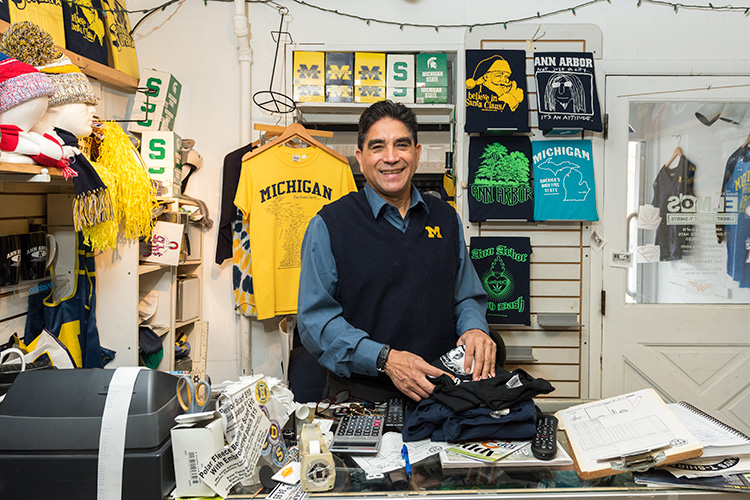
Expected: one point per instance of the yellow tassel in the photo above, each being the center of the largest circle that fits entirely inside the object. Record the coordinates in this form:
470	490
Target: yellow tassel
132	192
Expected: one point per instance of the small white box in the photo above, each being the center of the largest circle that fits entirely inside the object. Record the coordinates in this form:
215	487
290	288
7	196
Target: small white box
195	237
400	94
163	100
400	70
192	447
162	154
188	297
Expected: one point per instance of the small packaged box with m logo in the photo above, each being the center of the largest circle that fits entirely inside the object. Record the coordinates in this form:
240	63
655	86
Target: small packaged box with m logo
369	69
309	68
339	68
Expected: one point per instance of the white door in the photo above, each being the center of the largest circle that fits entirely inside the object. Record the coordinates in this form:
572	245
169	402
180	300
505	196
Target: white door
677	317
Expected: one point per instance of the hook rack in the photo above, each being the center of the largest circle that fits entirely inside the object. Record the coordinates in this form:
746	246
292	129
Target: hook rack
276	102
148	92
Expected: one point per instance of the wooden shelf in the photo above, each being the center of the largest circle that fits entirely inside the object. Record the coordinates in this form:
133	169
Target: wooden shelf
29	169
149	268
96	70
348	113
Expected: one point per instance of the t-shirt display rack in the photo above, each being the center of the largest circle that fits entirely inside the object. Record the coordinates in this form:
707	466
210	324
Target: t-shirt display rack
556	344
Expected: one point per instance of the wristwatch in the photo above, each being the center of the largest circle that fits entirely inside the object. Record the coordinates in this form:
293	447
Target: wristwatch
382	358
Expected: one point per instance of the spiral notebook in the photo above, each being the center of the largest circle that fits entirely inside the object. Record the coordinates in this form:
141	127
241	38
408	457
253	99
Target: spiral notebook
717	438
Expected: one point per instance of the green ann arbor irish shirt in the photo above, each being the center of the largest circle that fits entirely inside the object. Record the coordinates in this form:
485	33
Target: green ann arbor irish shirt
502	264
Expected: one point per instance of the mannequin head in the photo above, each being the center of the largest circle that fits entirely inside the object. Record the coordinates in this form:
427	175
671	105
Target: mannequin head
25	115
72	99
24	93
75	117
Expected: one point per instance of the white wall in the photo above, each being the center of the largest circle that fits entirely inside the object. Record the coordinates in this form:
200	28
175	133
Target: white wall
196	43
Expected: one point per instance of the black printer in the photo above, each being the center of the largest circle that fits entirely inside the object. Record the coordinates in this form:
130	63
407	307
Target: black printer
50	422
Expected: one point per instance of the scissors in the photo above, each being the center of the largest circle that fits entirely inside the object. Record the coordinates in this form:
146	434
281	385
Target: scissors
193	398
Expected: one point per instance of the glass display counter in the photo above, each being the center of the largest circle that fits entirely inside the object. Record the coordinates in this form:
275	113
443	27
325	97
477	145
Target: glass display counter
430	479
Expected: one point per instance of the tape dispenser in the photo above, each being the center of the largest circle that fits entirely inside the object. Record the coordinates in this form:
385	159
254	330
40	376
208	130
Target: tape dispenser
318	470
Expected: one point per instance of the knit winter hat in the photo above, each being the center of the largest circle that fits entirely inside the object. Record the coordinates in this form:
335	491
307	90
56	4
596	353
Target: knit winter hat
20	82
31	44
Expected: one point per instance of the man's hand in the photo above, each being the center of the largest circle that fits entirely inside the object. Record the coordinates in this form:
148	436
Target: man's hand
409	372
481	350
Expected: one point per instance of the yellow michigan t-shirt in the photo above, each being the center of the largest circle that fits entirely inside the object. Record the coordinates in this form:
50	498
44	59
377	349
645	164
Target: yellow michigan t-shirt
280	190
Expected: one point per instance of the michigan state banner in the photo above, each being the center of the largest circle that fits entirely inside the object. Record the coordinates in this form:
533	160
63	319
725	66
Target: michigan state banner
496	96
566	91
503	267
564	187
500	179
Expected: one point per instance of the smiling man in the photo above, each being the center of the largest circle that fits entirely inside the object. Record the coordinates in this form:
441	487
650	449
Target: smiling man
386	285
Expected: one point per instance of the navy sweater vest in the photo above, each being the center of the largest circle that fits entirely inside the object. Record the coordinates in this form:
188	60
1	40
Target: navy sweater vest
398	287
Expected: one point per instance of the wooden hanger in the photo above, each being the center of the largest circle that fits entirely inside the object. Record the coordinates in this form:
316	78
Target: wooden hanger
677	152
295	130
747	141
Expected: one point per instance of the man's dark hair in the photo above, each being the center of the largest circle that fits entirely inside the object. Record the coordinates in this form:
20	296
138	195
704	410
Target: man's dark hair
386	109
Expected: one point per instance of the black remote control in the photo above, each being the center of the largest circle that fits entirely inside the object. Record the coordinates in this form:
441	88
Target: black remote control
394	414
544	445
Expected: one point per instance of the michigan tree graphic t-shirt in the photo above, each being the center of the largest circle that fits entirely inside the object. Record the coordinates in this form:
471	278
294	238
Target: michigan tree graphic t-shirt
566	91
280	190
503	266
500	179
496	96
564	187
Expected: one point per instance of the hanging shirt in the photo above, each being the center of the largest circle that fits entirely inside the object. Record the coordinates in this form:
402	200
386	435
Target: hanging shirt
84	29
564	186
229	181
496	96
737	195
566	91
280	190
500	183
504	268
672	238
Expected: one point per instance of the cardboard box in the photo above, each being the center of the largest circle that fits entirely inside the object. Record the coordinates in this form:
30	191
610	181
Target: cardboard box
369	69
400	94
339	93
156	111
162	154
192	447
340	68
432	70
150	116
400	70
309	69
188	297
369	93
432	95
309	93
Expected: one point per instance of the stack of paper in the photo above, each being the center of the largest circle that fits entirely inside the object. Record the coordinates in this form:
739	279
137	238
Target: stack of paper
633	431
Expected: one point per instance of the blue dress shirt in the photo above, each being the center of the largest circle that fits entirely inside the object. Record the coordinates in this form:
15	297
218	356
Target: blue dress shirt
338	345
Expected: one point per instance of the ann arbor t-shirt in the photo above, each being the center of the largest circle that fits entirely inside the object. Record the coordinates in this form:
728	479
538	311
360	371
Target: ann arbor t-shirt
566	91
500	182
496	96
503	267
564	187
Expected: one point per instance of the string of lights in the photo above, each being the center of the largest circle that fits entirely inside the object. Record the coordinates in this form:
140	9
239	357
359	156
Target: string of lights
676	6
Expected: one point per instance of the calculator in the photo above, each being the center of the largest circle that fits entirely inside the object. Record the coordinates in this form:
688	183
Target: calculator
358	434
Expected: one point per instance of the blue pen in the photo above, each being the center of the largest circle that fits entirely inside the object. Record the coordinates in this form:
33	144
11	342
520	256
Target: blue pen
407	464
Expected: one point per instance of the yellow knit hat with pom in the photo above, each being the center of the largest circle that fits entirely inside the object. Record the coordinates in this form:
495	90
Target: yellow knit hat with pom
29	43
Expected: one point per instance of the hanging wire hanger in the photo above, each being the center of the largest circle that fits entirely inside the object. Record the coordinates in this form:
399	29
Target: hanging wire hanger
676	153
270	100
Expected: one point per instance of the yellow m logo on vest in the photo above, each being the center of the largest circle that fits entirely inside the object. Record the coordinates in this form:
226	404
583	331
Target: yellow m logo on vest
433	232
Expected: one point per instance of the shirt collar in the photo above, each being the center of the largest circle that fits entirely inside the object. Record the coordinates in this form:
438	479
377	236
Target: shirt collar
378	204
